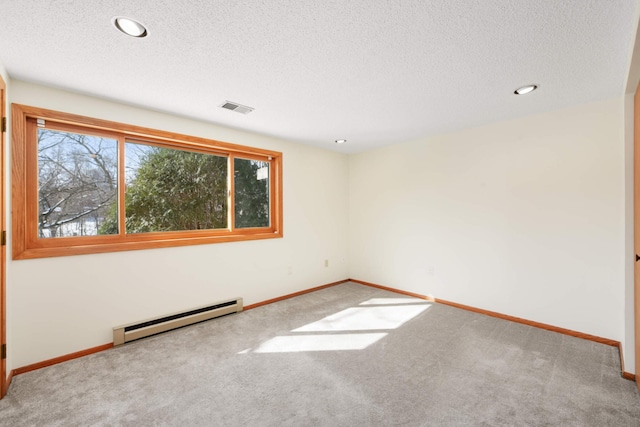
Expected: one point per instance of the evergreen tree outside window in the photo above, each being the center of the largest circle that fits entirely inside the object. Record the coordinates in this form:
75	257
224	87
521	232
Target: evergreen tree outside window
251	193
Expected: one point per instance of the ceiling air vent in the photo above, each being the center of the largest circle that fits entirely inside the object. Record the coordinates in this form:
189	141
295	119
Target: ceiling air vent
234	106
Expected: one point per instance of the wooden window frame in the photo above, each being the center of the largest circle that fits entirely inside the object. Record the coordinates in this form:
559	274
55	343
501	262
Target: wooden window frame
25	241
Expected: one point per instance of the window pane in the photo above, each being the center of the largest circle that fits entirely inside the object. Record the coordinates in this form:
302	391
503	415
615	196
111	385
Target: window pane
77	184
174	190
251	193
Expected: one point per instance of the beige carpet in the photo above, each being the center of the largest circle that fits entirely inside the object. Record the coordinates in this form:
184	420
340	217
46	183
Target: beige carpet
349	355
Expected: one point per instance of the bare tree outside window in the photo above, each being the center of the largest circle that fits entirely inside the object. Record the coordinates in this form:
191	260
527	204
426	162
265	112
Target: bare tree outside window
77	183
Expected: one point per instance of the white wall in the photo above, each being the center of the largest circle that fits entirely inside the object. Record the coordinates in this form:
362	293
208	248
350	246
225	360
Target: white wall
62	305
525	217
629	348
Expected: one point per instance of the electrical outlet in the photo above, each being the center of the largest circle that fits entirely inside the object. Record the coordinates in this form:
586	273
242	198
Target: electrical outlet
326	263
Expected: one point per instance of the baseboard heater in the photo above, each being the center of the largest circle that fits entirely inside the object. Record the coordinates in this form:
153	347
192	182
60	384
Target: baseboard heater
145	328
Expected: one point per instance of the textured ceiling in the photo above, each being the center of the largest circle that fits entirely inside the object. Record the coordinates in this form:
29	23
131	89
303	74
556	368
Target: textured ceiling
374	72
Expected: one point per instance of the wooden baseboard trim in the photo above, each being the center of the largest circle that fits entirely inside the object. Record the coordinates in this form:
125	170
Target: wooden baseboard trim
628	376
295	294
61	359
103	347
394	290
539	325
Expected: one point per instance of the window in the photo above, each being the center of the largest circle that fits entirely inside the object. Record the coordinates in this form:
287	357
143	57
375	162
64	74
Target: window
77	182
83	185
174	190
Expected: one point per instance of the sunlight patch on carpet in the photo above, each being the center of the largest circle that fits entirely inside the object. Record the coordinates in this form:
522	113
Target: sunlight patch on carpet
342	330
298	343
365	318
393	301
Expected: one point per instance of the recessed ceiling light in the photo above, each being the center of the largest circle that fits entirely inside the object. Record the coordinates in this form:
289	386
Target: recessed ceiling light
129	26
525	89
340	141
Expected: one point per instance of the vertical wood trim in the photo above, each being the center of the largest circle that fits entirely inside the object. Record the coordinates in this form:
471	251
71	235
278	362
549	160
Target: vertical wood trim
621	359
31	185
278	209
4	385
231	186
122	189
18	181
626	375
273	208
636	224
